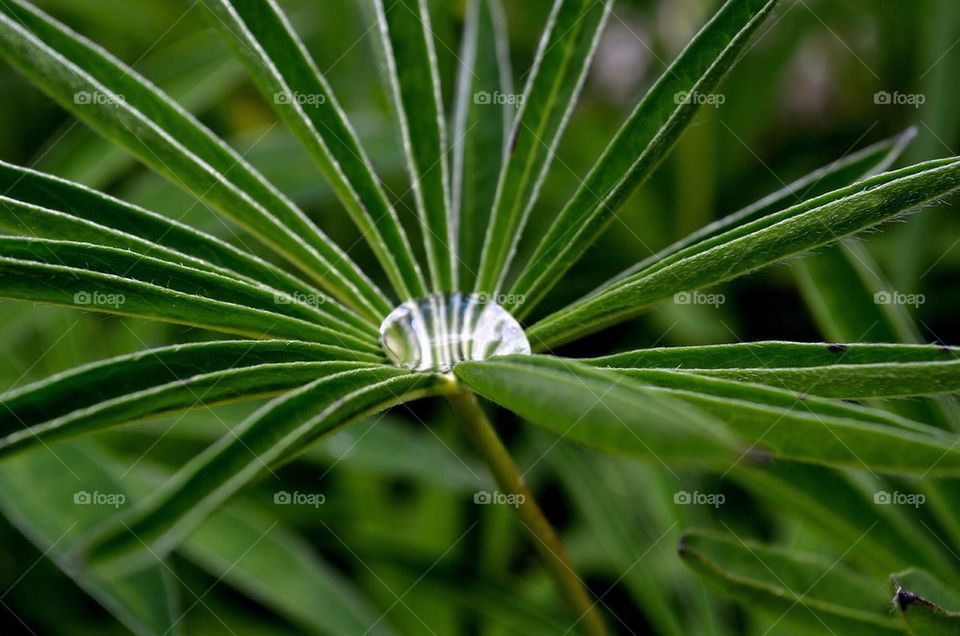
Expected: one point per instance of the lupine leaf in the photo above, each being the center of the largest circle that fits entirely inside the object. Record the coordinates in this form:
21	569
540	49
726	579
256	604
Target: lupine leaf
640	145
559	70
271	436
761	243
804	590
831	370
414	81
838	174
481	127
123	106
261	36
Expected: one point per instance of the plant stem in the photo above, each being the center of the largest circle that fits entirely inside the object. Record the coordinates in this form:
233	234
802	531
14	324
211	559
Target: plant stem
508	476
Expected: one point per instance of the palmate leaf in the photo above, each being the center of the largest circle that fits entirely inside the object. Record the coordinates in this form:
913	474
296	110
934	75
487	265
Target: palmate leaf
480	134
768	240
838	174
75	275
414	81
853	371
280	430
640	145
808	591
559	70
41	205
289	79
119	103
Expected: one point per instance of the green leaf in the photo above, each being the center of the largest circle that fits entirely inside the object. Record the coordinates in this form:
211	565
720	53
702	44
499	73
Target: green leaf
281	429
926	606
262	37
559	70
159	381
415	83
830	370
480	129
46	497
838	174
45	206
807	591
640	145
599	408
756	245
123	106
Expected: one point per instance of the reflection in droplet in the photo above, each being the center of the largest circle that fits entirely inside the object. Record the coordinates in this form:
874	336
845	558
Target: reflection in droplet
436	332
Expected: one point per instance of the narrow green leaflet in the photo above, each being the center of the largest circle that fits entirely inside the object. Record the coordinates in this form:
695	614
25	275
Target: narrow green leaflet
42	205
599	408
481	127
262	37
412	67
553	86
765	241
926	606
36	273
829	370
838	174
640	145
811	592
51	500
278	431
123	106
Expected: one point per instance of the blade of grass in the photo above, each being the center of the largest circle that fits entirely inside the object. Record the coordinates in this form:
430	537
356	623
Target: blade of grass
123	106
481	127
553	86
761	243
640	145
262	37
415	84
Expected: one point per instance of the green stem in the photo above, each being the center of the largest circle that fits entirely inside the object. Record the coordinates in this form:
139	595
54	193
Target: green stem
508	476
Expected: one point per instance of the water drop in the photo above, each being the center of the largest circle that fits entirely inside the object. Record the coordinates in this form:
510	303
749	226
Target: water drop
438	331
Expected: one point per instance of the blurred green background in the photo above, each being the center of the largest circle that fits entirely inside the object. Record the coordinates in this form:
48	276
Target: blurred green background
399	519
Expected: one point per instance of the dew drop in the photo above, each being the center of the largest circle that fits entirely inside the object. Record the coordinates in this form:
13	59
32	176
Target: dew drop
438	331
